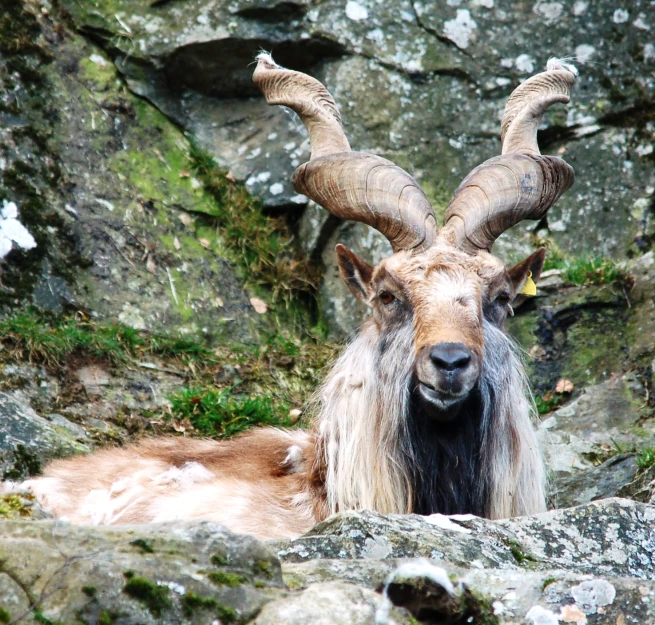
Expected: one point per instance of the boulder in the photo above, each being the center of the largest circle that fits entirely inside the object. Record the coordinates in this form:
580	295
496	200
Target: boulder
28	440
178	573
592	563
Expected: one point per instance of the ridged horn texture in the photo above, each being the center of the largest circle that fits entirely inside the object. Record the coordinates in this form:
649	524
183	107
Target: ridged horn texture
520	184
351	185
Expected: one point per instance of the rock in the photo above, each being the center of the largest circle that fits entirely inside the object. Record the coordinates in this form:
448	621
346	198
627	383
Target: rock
570	539
93	378
27	440
101	181
596	559
582	333
606	480
605	418
643	299
332	603
178	573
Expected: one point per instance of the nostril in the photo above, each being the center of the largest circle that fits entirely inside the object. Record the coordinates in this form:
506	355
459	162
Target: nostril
450	356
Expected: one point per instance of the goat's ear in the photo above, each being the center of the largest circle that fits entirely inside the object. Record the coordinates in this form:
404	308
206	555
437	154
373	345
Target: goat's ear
525	275
355	272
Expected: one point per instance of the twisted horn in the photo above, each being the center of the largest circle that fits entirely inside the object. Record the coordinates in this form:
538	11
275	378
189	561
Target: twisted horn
351	185
520	184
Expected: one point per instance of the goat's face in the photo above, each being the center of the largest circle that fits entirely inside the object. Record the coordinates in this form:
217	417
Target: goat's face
444	295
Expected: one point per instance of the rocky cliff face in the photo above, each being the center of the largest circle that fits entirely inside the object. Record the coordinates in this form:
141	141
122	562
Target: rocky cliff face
159	274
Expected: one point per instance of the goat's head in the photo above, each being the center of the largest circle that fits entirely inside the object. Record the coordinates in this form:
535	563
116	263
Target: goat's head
444	284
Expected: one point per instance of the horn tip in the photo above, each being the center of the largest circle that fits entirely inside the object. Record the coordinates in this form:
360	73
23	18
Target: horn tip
265	61
555	63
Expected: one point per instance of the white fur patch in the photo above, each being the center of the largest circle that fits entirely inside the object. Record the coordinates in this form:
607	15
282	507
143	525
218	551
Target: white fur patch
293	459
184	477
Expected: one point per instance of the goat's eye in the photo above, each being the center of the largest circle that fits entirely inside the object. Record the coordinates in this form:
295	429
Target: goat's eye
503	298
386	298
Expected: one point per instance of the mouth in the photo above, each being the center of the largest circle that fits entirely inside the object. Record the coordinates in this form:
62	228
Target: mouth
439	399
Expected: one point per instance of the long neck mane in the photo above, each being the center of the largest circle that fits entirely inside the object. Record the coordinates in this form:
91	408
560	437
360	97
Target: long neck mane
377	450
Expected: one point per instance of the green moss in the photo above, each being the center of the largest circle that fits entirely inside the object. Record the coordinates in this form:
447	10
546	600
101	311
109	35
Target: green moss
263	568
106	618
223	578
549	401
191	602
5	617
478	609
226	614
39	617
152	596
38	337
547	582
89	591
14	507
596	345
219	559
220	413
522	557
262	245
101	76
143	545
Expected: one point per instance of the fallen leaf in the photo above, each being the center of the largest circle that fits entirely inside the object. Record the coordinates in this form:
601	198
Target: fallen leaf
294	415
218	302
230	176
259	305
184	174
150	264
177	244
564	386
204	242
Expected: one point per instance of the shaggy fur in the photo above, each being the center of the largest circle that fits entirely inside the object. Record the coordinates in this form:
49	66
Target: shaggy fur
382	452
168	479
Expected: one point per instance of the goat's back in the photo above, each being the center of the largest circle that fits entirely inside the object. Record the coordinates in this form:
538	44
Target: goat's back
255	484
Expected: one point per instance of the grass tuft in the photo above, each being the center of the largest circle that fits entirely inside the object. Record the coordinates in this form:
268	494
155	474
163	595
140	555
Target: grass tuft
646	458
38	337
549	401
219	413
583	271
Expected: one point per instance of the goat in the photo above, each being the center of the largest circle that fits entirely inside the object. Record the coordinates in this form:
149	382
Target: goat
428	409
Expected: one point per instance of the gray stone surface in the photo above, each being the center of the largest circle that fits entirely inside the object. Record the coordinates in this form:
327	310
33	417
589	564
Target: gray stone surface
593	562
154	574
330	603
28	440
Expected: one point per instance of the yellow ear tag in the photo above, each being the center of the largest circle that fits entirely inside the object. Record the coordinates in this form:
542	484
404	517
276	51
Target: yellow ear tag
529	288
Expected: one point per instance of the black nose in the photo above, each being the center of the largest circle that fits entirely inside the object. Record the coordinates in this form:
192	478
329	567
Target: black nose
450	356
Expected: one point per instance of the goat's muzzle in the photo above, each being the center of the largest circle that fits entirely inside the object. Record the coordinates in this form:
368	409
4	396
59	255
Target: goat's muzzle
446	373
